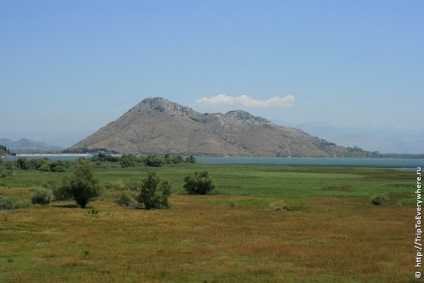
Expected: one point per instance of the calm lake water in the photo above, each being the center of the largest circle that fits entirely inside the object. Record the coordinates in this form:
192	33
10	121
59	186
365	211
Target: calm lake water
375	162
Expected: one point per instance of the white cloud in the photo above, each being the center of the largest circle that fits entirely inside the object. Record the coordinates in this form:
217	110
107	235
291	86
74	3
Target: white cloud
248	101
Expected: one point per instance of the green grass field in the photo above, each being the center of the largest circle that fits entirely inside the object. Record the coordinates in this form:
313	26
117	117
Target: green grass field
332	234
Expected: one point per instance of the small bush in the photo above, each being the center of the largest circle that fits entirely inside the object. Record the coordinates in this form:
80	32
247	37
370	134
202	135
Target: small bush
132	184
12	203
56	189
4	173
124	199
60	193
199	183
45	168
118	185
232	203
42	196
154	161
379	199
93	211
60	169
279	205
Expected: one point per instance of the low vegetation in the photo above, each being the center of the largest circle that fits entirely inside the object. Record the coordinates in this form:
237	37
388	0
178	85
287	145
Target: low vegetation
263	223
42	196
379	199
8	202
279	205
42	164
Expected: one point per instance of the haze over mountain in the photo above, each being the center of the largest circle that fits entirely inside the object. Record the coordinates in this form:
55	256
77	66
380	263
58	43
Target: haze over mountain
157	125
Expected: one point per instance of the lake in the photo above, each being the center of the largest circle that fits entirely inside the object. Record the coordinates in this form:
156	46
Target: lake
375	162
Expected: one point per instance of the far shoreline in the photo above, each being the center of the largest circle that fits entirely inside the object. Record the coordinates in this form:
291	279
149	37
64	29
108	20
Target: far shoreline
52	154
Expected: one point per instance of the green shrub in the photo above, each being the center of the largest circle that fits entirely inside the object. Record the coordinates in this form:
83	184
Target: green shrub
93	211
154	161
6	170
133	185
199	183
23	163
379	199
232	203
279	205
128	160
190	159
118	185
4	173
54	186
154	192
45	168
125	200
60	194
42	196
12	203
59	169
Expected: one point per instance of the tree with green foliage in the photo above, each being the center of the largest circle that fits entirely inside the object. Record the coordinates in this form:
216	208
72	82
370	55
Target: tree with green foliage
154	161
23	163
57	166
104	157
45	168
173	159
128	160
191	159
82	186
36	163
199	183
154	192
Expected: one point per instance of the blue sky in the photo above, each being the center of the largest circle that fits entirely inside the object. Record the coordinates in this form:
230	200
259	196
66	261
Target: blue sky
74	66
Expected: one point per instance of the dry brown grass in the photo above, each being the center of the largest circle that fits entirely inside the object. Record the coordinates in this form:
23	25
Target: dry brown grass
328	239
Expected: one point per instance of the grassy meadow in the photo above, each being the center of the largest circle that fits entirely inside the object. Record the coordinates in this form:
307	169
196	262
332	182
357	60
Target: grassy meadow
332	234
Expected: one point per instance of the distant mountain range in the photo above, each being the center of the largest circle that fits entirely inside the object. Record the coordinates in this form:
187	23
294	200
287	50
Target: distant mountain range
384	140
28	146
157	125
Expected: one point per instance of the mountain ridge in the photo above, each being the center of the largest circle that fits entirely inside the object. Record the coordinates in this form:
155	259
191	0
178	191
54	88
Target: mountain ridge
27	146
157	125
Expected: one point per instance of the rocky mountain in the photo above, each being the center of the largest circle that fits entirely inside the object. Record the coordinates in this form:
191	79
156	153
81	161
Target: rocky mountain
157	125
28	146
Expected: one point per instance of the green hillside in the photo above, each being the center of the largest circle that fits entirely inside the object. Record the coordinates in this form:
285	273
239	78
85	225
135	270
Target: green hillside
4	151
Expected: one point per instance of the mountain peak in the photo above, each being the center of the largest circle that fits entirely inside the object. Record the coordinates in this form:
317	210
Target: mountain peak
243	115
164	106
157	125
154	100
